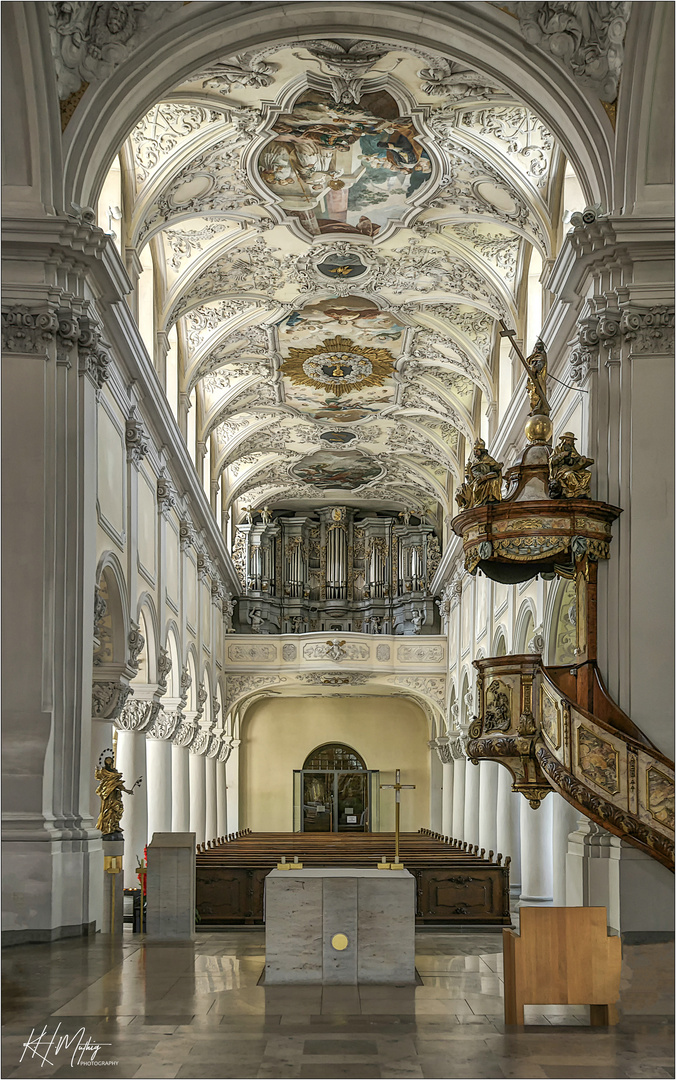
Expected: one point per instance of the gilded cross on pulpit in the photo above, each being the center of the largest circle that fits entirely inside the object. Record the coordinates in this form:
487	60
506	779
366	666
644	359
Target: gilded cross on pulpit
398	788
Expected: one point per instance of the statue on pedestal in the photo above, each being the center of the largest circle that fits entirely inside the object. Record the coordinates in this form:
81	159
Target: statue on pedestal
111	785
569	477
483	479
536	366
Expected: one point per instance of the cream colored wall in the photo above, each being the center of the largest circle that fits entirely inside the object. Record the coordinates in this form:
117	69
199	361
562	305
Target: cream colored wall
279	733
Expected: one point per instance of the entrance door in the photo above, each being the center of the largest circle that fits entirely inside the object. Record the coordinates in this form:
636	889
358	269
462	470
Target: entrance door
318	801
352	810
335	800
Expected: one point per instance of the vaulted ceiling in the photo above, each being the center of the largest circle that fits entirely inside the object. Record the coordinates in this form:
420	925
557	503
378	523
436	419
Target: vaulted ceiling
338	225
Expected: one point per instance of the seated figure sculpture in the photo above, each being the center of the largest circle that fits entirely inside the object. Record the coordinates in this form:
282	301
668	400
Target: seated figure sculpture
483	479
569	477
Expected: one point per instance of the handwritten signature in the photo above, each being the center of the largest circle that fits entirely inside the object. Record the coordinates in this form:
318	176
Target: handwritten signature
47	1048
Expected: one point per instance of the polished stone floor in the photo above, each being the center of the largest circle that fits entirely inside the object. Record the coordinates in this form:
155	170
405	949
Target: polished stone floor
184	1011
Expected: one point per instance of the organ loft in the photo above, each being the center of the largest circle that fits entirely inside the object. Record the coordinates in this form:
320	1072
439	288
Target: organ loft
337	569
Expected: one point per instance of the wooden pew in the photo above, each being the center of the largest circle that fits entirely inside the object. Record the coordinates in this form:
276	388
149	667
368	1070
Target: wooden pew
454	885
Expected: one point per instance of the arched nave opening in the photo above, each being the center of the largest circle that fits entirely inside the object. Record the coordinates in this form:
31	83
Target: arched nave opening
259	261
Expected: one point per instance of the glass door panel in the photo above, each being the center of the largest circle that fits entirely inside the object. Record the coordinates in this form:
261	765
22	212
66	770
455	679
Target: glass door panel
297	801
352	802
317	801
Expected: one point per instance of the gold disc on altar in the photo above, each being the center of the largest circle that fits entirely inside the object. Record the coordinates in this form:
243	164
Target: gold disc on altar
339	942
538	428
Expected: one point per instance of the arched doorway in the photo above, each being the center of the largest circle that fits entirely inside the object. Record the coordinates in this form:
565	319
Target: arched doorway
335	792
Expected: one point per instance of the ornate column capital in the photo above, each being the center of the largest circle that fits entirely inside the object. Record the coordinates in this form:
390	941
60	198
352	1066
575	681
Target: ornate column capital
136	438
94	357
613	325
200	743
442	747
166	494
187	534
27	330
109	697
137	715
164	724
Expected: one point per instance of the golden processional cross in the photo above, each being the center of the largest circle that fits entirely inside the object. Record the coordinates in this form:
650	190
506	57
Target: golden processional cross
398	788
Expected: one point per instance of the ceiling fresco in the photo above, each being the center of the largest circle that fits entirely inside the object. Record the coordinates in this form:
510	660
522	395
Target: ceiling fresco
336	226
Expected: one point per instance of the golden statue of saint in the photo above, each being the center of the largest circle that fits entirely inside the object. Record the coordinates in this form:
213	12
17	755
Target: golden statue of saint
483	479
569	477
111	785
536	366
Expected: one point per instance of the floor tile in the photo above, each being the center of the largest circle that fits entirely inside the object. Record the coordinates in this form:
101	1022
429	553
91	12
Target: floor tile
336	1070
197	1012
331	1047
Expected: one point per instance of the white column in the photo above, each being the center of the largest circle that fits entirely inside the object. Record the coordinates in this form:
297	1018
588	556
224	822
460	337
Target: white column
508	830
565	819
536	852
221	805
158	765
131	761
488	806
180	784
232	772
459	769
435	791
472	782
210	788
593	870
198	802
447	799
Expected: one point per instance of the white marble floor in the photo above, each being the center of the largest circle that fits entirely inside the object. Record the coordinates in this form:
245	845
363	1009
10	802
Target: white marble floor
183	1011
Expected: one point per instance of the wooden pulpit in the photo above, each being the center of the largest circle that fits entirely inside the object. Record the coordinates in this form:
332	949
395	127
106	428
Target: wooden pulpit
563	956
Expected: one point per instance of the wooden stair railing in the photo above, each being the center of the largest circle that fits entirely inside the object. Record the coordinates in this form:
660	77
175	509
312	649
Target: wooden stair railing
531	719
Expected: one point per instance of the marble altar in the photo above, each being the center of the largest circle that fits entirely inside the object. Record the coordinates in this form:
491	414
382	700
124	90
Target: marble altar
339	926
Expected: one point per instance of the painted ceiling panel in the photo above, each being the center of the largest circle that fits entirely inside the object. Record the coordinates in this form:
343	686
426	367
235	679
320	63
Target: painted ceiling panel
340	223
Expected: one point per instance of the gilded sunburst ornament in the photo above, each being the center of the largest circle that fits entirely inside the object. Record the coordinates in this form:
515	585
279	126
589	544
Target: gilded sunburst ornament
338	365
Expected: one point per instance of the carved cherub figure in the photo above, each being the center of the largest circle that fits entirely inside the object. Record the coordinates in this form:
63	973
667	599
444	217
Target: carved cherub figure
569	477
248	512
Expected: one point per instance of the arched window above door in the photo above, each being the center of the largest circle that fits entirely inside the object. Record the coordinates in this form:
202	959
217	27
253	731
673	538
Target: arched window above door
335	756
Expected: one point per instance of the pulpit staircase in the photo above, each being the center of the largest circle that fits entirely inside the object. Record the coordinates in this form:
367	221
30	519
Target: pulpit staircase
556	728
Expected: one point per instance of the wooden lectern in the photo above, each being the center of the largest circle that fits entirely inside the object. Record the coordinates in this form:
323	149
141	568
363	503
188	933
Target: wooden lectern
563	956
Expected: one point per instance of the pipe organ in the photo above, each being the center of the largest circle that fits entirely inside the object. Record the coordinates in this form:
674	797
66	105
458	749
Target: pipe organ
336	569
